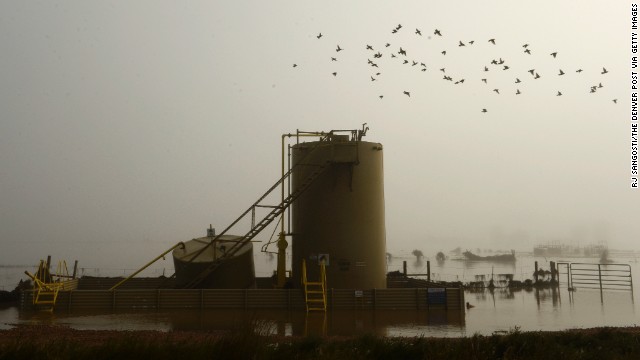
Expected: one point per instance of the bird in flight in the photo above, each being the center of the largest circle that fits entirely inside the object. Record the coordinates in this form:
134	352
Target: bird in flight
387	45
537	76
554	54
461	43
338	48
335	73
381	96
615	101
444	52
518	92
407	93
579	70
319	35
369	47
418	32
531	71
437	32
295	65
604	71
493	41
373	79
484	81
402	52
497	91
484	110
471	42
334	59
561	73
518	81
486	68
559	93
527	51
525	45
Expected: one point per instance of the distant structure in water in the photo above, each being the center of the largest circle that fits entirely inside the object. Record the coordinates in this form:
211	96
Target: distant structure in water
558	249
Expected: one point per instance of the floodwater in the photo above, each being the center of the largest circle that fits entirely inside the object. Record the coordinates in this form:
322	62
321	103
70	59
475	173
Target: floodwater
494	311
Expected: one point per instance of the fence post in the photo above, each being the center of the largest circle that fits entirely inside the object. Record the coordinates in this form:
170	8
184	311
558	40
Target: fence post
428	271
600	281
535	273
404	267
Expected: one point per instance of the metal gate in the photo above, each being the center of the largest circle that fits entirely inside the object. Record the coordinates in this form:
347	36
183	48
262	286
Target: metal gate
598	276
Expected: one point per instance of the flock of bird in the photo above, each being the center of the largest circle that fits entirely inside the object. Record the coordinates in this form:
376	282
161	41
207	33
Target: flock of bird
399	54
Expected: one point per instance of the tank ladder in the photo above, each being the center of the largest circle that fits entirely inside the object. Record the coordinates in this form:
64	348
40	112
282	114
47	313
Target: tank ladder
315	292
276	210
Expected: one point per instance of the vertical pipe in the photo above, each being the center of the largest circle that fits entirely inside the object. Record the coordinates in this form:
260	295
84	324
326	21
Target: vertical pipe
75	269
552	264
428	271
535	273
282	243
404	267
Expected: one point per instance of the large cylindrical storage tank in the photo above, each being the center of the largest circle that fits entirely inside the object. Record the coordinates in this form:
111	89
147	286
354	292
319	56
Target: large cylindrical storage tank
236	272
340	217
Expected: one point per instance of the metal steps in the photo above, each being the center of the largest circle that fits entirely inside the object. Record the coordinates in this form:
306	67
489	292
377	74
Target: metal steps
315	292
256	228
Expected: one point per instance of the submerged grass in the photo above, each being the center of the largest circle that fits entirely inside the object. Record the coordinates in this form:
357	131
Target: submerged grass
245	343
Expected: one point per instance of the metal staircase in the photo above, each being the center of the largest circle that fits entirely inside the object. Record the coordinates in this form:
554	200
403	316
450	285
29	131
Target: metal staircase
46	285
315	292
276	210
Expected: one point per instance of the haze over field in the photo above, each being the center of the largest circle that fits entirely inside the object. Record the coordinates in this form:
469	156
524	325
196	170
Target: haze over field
127	127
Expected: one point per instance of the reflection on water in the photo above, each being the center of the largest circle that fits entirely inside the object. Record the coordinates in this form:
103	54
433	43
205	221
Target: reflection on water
496	310
284	323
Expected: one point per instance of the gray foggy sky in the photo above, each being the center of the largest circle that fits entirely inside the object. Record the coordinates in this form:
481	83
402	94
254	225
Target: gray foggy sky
126	127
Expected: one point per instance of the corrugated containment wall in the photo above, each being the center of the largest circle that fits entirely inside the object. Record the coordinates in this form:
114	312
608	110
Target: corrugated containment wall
166	299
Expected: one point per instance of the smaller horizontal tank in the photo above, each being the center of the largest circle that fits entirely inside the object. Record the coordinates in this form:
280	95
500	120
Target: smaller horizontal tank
236	272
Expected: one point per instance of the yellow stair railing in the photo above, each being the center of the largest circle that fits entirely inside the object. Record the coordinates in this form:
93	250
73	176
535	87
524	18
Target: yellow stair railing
45	287
315	292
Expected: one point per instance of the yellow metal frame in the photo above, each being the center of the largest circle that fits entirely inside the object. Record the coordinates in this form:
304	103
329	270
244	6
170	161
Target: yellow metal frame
46	293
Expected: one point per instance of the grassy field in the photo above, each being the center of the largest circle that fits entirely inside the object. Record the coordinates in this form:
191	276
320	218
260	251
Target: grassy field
58	342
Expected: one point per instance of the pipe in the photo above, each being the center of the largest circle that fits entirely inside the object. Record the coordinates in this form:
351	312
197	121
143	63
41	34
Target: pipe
147	265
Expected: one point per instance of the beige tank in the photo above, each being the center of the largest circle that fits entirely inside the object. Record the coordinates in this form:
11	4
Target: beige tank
340	218
237	272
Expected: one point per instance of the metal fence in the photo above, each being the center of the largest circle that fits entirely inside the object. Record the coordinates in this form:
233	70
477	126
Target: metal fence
598	276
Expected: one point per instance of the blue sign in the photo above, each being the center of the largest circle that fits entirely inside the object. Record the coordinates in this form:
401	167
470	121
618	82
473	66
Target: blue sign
436	296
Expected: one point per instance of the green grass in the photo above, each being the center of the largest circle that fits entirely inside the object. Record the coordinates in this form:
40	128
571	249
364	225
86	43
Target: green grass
605	343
